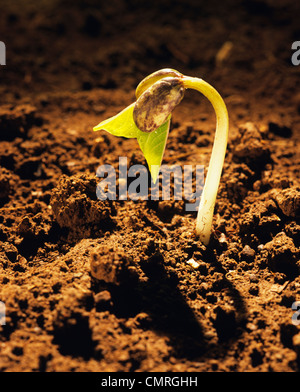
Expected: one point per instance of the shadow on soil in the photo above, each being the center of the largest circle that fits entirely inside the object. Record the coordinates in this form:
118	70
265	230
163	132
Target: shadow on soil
170	314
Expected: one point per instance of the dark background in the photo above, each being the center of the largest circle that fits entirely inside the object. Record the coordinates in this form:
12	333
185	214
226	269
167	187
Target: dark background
75	45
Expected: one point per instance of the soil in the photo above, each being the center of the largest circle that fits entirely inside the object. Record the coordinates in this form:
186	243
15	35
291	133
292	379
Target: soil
92	285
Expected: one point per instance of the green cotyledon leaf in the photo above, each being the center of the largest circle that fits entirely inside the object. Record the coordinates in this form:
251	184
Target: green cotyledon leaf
152	144
121	124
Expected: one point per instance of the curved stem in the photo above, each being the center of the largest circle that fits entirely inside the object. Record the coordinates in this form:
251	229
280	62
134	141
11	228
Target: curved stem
209	194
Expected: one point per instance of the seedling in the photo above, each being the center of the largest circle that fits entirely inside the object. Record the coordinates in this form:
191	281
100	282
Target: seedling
148	120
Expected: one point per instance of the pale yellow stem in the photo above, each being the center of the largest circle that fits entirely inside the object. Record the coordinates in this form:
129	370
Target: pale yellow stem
210	190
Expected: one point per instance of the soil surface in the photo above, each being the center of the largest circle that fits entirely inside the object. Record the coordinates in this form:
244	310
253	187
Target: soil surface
92	285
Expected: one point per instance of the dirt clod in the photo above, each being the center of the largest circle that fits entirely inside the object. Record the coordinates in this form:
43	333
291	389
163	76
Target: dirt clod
16	120
283	256
76	207
288	201
251	147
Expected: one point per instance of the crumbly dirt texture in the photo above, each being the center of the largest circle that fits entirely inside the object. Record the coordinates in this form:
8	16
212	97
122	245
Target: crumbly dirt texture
92	285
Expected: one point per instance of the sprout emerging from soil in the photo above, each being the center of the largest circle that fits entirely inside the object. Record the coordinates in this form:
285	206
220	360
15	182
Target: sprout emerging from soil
148	120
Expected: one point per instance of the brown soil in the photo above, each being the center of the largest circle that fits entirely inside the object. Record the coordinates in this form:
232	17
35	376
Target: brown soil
68	68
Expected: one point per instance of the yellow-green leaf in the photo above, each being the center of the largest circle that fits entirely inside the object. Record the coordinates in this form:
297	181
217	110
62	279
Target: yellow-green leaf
153	146
121	124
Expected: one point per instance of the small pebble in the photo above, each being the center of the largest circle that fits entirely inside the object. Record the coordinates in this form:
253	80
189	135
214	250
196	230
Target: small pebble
194	264
248	253
260	247
103	300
